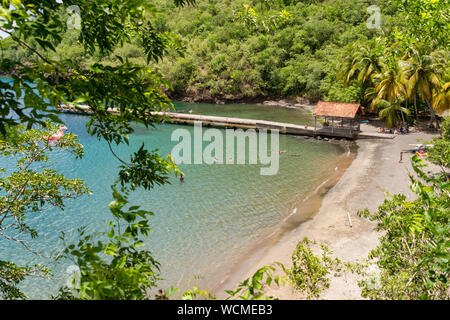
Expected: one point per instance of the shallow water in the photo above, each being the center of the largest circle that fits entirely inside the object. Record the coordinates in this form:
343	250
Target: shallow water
201	226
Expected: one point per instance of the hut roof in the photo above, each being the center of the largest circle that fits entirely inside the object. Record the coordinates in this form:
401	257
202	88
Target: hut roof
337	109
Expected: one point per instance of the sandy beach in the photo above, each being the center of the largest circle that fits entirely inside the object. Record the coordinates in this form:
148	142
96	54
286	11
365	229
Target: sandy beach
375	168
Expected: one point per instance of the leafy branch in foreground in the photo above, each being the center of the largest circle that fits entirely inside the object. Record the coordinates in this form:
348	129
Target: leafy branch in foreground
29	97
114	268
252	288
440	152
309	272
117	265
31	190
413	257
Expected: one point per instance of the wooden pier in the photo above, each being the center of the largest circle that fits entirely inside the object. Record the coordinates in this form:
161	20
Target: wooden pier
227	122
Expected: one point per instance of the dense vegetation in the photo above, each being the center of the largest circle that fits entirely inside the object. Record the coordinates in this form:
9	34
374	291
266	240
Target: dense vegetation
413	257
237	50
120	57
275	48
113	266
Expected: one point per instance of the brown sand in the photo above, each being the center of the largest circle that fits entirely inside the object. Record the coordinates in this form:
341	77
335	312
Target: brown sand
375	167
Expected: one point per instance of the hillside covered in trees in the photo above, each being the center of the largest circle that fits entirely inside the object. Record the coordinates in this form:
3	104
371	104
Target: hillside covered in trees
235	52
118	58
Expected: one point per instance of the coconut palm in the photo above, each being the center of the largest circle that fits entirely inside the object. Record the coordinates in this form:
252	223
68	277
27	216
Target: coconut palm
441	98
390	83
349	68
367	61
390	112
361	62
424	73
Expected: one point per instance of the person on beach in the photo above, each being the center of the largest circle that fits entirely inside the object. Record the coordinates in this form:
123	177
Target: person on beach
401	157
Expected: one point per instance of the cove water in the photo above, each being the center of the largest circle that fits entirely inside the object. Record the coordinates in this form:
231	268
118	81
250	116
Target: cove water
202	226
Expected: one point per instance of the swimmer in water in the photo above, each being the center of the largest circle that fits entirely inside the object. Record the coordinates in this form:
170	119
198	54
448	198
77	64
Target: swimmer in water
181	178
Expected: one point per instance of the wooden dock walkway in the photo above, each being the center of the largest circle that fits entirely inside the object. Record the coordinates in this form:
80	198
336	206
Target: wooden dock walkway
228	122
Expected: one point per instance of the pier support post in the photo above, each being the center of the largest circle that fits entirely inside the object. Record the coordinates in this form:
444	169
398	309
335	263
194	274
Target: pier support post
315	125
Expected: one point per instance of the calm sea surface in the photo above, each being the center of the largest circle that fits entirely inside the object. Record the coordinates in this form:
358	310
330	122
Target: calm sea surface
201	226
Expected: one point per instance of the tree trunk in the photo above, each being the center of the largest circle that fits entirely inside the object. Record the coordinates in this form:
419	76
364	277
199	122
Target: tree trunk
415	106
433	117
403	119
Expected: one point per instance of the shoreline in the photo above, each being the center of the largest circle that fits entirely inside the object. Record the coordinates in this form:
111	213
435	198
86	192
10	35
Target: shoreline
204	96
374	169
305	210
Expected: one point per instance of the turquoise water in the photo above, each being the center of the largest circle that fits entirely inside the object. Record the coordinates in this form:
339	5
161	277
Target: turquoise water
203	226
248	111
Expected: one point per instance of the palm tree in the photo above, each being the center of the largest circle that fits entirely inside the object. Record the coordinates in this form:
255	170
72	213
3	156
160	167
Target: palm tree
424	75
441	98
390	82
367	60
349	69
361	62
390	111
390	85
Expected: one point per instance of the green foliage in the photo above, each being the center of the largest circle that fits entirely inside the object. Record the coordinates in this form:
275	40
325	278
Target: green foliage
55	74
408	61
115	268
119	268
440	152
309	272
236	49
31	190
390	112
147	169
242	49
264	21
49	79
251	288
11	275
413	255
195	292
427	21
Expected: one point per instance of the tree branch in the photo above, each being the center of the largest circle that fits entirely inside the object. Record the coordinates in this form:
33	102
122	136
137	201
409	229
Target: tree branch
25	44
